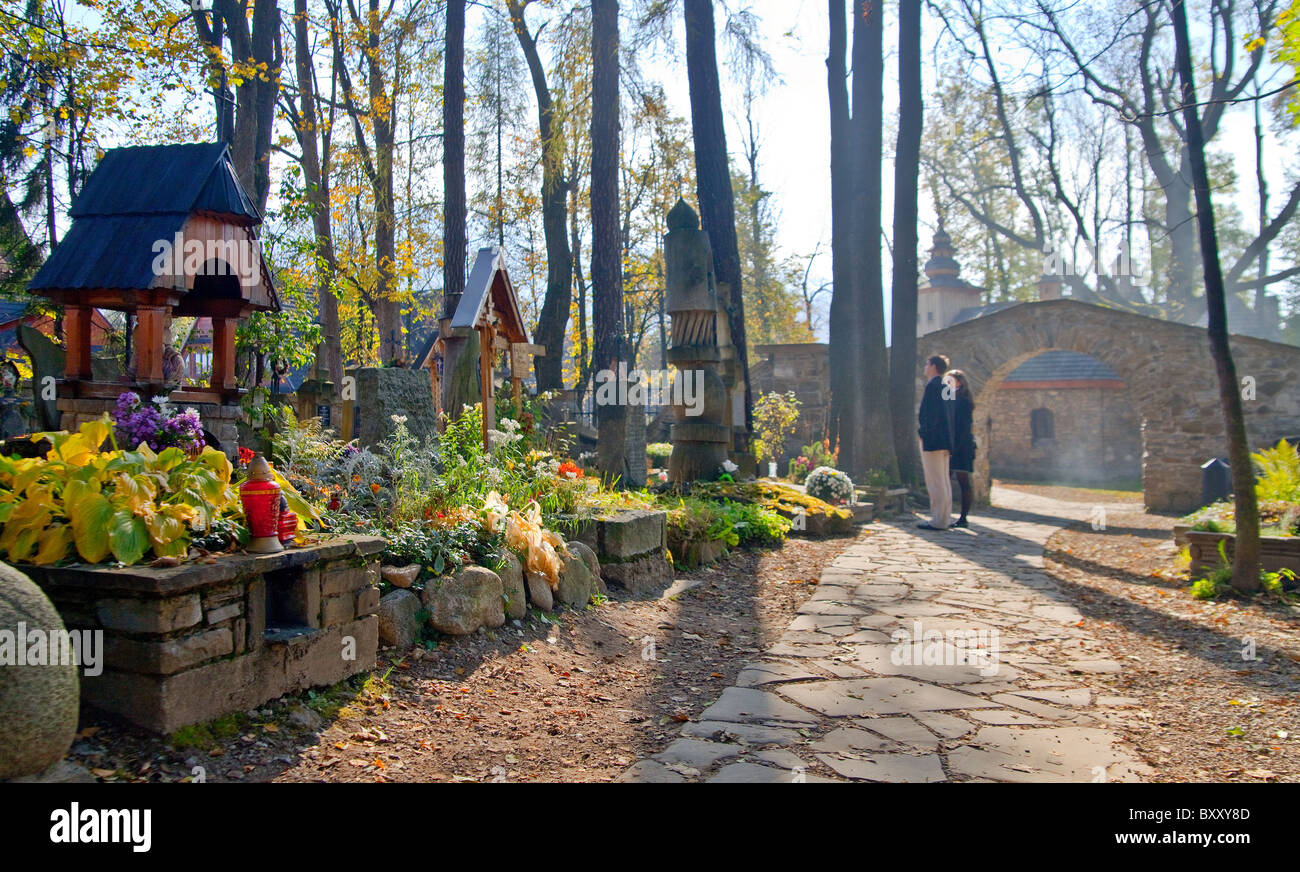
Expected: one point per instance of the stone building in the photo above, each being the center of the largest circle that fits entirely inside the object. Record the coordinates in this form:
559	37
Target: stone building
1060	416
1063	416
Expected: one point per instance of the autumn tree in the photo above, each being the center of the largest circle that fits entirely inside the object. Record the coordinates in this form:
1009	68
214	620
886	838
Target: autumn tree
1245	561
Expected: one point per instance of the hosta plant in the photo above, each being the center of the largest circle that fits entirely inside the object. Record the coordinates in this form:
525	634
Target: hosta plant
81	501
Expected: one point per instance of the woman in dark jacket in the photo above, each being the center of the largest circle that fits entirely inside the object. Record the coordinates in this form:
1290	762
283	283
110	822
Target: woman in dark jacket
963	441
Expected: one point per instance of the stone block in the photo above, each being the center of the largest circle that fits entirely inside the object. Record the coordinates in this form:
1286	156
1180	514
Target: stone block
648	575
631	533
255	612
343	578
367	600
225	613
168	656
335	610
150	615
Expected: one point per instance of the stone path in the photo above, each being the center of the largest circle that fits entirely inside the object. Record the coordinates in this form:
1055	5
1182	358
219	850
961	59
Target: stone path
922	656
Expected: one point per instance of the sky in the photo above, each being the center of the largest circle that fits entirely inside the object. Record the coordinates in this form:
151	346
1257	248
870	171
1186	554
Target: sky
795	130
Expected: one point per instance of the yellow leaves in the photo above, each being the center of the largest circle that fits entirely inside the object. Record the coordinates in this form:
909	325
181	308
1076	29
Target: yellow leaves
53	544
525	534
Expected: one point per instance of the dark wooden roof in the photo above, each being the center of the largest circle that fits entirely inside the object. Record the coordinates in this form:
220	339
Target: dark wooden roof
166	179
489	276
135	197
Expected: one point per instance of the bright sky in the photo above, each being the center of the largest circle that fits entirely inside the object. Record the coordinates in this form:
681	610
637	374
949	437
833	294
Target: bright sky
795	130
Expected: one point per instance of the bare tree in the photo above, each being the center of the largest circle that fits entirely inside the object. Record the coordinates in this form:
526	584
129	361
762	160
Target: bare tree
1245	562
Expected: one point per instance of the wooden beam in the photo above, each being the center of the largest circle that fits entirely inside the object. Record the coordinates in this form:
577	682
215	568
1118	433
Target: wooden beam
223	354
149	337
76	342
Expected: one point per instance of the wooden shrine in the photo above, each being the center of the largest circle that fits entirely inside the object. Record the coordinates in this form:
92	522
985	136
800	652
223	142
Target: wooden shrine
490	308
157	232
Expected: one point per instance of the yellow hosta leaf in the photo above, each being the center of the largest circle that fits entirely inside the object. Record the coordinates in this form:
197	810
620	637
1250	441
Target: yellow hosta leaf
53	544
90	526
164	528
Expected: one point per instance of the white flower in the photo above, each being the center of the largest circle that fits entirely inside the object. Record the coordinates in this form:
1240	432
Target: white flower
161	400
728	466
398	419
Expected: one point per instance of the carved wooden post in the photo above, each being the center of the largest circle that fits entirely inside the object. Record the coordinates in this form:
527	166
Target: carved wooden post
76	340
223	354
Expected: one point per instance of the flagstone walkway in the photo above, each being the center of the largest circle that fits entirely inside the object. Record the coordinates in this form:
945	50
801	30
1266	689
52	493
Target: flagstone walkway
921	657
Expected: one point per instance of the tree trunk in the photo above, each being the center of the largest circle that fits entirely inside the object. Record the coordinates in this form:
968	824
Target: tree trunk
844	340
454	241
1245	563
315	174
713	177
553	321
876	445
907	172
606	247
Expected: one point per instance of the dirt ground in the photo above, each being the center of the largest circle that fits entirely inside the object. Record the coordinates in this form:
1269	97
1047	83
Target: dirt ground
1202	711
577	699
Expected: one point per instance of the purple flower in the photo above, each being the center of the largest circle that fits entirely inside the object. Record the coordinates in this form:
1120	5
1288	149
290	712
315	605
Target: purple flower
136	423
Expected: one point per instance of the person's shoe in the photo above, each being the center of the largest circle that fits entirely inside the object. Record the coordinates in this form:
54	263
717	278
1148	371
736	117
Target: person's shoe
960	522
926	525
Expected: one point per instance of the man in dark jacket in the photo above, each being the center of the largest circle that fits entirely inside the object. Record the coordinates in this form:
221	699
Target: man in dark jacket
936	443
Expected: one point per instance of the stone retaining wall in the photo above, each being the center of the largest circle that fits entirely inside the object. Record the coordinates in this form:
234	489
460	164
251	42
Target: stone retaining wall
191	643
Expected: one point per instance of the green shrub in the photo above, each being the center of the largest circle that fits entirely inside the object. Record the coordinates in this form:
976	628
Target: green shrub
1279	473
659	451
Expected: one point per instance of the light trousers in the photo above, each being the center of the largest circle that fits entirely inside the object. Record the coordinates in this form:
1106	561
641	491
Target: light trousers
935	465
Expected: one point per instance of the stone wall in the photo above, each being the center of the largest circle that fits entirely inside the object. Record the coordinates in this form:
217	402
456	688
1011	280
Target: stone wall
1098	438
388	391
1168	370
219	419
191	643
803	368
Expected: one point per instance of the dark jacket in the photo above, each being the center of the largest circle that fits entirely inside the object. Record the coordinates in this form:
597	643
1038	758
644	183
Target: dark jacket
934	429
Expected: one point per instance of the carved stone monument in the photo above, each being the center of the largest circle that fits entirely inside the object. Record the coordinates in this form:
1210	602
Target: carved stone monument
701	430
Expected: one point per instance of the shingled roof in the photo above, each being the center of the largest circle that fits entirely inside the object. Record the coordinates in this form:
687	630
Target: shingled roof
135	197
1062	366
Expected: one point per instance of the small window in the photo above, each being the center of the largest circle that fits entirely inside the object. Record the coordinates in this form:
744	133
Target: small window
1042	427
929	316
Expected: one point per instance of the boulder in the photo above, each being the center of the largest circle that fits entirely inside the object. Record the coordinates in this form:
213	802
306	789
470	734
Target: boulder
577	586
400	576
539	591
589	557
398	625
512	585
38	704
461	603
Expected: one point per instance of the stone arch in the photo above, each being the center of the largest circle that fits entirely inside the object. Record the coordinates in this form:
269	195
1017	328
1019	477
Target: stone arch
1167	367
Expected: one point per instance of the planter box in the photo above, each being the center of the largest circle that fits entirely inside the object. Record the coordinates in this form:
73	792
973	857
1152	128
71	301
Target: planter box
1275	552
194	642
